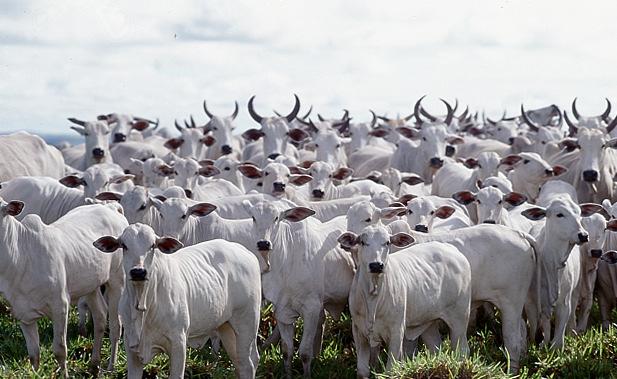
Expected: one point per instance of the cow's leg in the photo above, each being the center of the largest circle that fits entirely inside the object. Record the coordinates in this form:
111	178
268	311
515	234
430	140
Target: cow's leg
319	335
605	310
113	291
363	352
532	312
432	338
395	345
228	338
98	309
511	321
287	345
60	320
31	334
272	339
562	317
134	366
82	311
312	324
245	329
177	357
458	331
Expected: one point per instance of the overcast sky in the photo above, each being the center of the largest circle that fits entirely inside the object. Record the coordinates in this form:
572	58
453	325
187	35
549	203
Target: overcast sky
67	58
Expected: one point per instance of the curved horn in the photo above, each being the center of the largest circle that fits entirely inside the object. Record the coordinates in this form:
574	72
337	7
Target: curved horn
527	121
178	126
607	112
374	120
491	121
558	111
252	112
416	110
156	124
345	114
294	112
320	117
464	114
384	118
193	125
574	111
186	124
455	105
307	113
236	110
450	114
611	126
210	115
503	116
571	126
76	121
424	113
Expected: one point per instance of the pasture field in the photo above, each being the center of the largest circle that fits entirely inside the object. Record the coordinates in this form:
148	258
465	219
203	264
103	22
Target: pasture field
591	355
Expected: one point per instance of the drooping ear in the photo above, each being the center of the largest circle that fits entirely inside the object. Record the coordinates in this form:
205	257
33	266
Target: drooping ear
558	170
160	198
606	204
158	203
380	132
14	207
587	209
250	171
140	125
79	130
612	226
464	197
208	140
72	181
390	212
208	171
201	209
342	173
412	180
479	184
471	163
253	134
296	214
401	239
444	211
515	198
306	164
206	162
121	178
610	257
115	196
165	169
138	163
300	179
454	140
570	144
174	143
410	133
510	160
107	244
406	198
298	135
298	170
348	240
612	143
168	245
535	213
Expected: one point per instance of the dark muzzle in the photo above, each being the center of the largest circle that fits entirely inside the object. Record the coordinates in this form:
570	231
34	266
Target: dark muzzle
375	267
264	245
138	274
421	228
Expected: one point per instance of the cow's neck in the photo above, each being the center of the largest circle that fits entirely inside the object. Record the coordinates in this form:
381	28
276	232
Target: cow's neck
12	232
523	185
375	291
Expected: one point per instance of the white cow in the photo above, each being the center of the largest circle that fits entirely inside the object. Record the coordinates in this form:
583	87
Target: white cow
61	266
96	148
456	177
25	154
398	296
221	129
98	178
433	213
528	172
491	207
178	300
322	187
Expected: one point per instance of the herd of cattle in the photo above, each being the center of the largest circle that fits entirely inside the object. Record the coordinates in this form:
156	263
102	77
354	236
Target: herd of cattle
413	223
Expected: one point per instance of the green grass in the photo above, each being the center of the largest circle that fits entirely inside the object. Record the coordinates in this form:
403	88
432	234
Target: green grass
591	355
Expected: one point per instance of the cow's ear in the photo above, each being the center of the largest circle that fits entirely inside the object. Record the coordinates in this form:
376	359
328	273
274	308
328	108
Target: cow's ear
587	209
188	193
342	173
606	204
115	196
250	171
535	213
464	197
168	245
401	239
201	209
174	143
252	134
348	240
611	226
444	211
390	212
379	132
406	198
296	214
14	207
107	244
72	181
408	132
79	130
298	135
570	144
610	257
510	160
559	170
208	140
296	170
300	179
515	198
454	140
412	180
471	163
165	169
137	162
611	143
156	202
121	178
140	125
206	162
208	171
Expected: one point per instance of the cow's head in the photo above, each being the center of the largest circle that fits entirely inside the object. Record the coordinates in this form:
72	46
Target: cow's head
329	147
422	211
175	214
486	165
221	129
123	124
323	174
191	142
366	213
96	134
11	208
592	144
94	180
490	203
135	202
592	122
275	177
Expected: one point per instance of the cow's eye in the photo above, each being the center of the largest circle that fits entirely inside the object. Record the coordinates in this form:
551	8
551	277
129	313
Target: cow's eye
423	138
215	128
227	169
362	243
123	246
260	184
253	217
183	217
543	142
500	201
526	161
499	129
316	145
409	211
432	212
267	173
339	145
478	201
479	166
142	207
329	176
560	215
368	220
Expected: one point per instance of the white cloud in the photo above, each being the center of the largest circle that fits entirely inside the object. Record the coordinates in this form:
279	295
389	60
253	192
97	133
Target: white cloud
161	59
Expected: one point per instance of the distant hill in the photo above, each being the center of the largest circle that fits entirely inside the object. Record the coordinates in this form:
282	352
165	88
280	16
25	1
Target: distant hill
55	139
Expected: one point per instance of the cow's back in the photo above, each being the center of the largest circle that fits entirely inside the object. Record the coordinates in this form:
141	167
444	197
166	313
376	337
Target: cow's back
24	154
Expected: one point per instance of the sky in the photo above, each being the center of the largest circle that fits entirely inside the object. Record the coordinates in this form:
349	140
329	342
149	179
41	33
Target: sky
66	58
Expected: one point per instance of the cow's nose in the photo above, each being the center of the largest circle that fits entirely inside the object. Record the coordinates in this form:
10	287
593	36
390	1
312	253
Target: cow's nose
595	253
226	149
273	156
549	172
278	186
98	152
138	274
511	140
610	257
450	150
375	267
119	137
436	162
421	228
264	245
317	193
583	237
590	175
489	222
